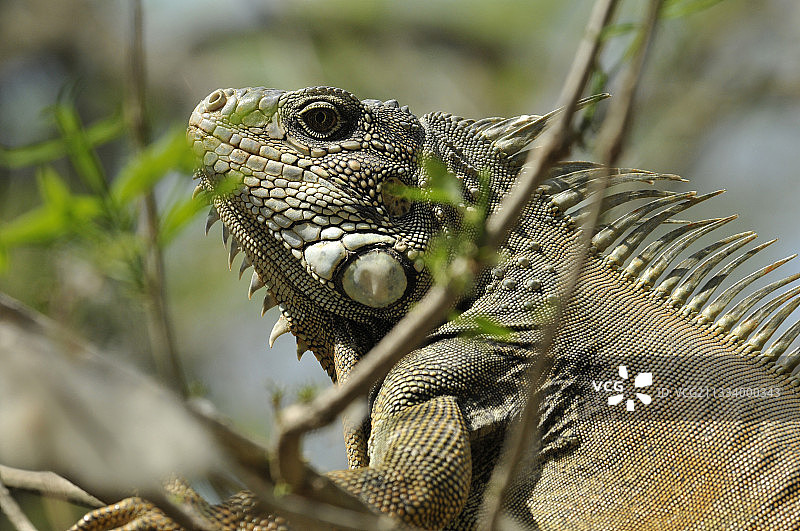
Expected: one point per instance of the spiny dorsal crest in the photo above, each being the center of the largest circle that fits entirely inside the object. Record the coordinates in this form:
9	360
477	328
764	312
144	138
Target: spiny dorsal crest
688	286
514	136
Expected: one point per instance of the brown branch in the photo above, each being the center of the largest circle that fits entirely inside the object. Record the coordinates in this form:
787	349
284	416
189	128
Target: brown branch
297	420
615	128
327	502
183	515
556	141
257	460
306	512
159	324
47	484
242	455
11	509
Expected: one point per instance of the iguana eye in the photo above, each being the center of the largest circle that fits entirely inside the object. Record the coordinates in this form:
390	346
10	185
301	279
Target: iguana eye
320	119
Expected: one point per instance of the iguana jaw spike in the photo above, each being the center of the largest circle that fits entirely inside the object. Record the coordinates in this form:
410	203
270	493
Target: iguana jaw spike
226	233
255	284
234	250
213	217
302	347
280	328
270	276
246	262
197	191
268	304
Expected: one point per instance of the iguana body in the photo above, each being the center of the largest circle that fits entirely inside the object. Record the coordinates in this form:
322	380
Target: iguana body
340	254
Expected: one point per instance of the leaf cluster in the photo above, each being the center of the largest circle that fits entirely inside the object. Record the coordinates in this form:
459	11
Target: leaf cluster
97	212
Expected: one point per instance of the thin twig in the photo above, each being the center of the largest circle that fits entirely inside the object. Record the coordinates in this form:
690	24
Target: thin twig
305	512
159	324
323	507
405	336
11	509
182	515
47	484
610	144
556	143
612	134
526	431
255	458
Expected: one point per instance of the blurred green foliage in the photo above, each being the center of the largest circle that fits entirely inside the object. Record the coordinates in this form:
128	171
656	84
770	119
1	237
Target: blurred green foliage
96	134
100	214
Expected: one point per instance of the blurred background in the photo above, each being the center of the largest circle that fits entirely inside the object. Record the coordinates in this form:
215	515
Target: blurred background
719	104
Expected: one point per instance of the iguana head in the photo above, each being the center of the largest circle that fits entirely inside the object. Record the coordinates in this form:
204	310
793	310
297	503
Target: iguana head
300	179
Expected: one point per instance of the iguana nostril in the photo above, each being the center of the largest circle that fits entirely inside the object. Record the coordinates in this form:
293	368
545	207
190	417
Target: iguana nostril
215	101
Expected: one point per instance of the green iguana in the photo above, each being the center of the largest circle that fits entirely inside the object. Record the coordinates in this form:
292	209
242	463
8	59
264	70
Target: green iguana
705	436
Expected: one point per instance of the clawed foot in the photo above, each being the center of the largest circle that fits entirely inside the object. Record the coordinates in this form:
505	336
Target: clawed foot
130	514
136	514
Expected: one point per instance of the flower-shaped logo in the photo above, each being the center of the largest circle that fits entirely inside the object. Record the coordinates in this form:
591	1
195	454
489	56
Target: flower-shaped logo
643	379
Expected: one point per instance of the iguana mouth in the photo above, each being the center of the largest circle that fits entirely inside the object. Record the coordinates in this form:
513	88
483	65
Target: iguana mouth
364	266
268	256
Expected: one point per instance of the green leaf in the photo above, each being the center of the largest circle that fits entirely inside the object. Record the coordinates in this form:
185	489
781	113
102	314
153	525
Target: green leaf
80	151
54	191
228	184
307	393
61	214
119	255
139	176
615	30
441	183
443	187
416	194
40	225
99	133
682	8
492	328
177	217
44	224
438	256
482	325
